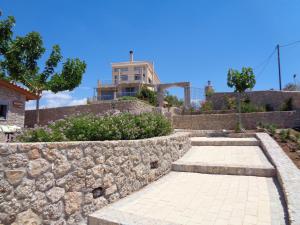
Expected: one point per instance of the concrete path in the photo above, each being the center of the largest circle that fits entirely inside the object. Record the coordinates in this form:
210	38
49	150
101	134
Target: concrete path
200	197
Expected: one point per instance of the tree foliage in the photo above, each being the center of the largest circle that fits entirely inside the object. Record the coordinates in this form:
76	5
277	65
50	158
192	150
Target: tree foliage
147	95
19	61
173	100
241	81
291	87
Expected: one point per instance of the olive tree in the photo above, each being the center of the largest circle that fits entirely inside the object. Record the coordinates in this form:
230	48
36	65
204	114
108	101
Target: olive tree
19	62
240	81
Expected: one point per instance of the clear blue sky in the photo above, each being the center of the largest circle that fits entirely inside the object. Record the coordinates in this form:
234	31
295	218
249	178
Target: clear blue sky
189	40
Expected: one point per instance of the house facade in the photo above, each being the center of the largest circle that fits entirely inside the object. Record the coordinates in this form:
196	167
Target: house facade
127	78
12	105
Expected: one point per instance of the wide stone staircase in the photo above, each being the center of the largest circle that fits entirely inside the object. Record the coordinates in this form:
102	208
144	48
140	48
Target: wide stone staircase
219	181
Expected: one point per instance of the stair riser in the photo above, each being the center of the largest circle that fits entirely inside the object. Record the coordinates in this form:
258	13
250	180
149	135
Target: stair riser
222	170
225	143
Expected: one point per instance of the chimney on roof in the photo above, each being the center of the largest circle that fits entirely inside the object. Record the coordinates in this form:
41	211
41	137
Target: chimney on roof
131	55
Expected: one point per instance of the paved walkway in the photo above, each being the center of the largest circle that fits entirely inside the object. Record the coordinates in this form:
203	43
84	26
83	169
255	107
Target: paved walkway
198	198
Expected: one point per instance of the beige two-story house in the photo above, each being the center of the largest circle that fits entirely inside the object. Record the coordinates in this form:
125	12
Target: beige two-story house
127	79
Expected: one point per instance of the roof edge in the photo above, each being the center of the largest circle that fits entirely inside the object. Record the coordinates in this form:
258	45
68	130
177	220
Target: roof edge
28	94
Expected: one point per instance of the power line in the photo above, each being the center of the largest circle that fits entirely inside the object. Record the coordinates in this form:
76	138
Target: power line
265	63
289	44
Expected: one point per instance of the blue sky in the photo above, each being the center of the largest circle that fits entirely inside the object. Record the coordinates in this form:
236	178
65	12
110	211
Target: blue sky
189	40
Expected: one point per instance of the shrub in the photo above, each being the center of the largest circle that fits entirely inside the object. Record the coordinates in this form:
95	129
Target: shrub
287	105
148	95
249	107
127	98
270	128
93	128
230	103
284	135
206	106
172	100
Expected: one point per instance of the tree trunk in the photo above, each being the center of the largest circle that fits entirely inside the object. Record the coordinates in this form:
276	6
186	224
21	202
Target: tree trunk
38	109
240	127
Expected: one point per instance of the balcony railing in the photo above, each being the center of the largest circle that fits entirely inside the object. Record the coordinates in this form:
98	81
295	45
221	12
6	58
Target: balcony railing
122	94
111	83
111	97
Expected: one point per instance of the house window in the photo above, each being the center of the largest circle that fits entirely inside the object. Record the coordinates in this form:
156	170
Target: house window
116	79
124	77
3	111
137	77
124	69
138	69
130	89
149	81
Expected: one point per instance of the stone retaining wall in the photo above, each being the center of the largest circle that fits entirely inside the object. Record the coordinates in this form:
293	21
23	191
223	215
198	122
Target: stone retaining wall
61	183
288	175
283	119
53	114
274	99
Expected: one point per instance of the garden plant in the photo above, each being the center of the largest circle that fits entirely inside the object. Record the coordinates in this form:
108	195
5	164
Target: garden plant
240	81
95	128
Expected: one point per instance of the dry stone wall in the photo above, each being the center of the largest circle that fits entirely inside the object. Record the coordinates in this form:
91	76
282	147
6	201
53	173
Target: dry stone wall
53	114
61	183
274	99
228	121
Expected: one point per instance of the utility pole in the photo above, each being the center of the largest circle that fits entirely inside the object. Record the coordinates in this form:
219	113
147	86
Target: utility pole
279	69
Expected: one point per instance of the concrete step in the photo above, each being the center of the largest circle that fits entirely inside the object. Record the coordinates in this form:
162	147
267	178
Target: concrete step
224	141
226	160
223	169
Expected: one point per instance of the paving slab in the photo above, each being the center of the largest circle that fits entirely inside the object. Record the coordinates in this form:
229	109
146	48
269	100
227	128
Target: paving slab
198	199
232	160
223	141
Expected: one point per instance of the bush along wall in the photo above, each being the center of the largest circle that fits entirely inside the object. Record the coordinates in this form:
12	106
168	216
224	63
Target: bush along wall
94	128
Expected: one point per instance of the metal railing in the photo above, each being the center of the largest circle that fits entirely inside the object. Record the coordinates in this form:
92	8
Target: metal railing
111	97
122	94
112	83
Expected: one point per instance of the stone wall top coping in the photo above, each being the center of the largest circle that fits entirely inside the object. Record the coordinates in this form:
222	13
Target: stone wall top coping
287	173
250	113
258	91
158	138
95	103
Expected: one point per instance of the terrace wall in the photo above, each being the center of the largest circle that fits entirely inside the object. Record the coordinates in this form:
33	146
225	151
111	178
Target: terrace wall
261	98
53	114
61	183
283	119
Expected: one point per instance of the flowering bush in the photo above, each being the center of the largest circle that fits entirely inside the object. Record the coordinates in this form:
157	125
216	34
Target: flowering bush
94	128
206	106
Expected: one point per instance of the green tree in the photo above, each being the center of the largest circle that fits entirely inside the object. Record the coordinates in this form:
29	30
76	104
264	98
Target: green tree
240	81
19	57
291	87
147	95
172	100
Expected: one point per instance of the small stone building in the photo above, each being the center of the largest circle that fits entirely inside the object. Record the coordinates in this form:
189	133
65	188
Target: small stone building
12	105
